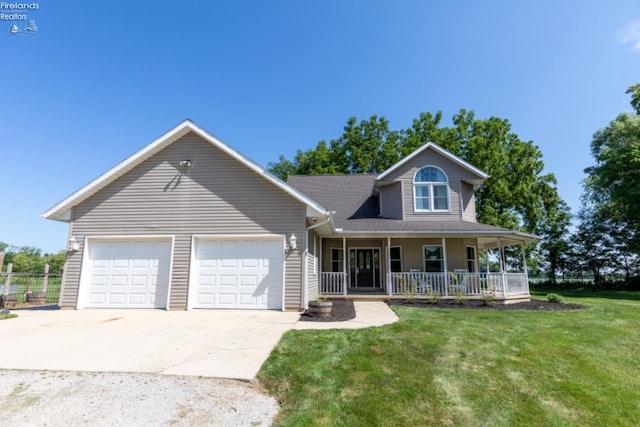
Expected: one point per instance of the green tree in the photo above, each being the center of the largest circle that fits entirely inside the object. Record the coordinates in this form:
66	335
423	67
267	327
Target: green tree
56	261
555	246
594	246
29	259
611	185
22	263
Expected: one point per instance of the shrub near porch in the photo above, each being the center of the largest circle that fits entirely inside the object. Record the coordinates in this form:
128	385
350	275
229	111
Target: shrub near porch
466	367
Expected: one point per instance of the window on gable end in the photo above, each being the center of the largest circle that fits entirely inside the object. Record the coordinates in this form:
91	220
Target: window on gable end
430	190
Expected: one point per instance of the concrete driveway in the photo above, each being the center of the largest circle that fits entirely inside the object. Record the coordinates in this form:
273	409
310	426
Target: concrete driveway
211	343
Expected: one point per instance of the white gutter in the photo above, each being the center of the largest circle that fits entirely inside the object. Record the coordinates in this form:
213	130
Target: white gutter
305	260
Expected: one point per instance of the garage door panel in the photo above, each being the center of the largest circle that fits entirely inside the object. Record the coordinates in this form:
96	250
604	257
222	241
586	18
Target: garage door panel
129	274
249	263
99	280
251	281
140	299
120	263
206	280
228	280
229	263
117	298
140	281
246	274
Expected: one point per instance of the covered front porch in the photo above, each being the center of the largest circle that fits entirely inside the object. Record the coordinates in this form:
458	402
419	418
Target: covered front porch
424	267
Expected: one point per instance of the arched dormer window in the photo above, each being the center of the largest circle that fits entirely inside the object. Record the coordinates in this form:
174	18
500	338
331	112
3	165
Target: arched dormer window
430	190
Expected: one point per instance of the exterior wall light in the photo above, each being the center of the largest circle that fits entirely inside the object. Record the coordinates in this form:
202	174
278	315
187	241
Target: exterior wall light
293	242
73	244
186	163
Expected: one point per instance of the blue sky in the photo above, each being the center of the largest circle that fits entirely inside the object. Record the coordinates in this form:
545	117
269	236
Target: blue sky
99	80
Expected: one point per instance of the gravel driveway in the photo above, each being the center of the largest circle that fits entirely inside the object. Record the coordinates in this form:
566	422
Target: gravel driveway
61	398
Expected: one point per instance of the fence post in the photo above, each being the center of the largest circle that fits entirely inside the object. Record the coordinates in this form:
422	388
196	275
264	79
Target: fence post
7	279
45	279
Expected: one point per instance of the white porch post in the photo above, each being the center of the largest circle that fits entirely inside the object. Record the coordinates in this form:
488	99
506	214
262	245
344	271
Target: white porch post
524	263
345	257
524	260
502	268
486	255
444	266
389	281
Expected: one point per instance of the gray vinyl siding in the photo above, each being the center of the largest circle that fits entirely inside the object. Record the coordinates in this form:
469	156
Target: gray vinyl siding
455	174
391	196
216	195
468	202
456	257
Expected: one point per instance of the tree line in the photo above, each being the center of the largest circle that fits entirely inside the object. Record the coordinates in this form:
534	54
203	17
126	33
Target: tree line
606	239
28	259
518	194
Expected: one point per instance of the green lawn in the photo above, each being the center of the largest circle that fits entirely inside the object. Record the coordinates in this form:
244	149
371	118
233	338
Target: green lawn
467	368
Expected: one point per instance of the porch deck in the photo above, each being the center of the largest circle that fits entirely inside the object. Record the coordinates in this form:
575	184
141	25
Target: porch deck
446	285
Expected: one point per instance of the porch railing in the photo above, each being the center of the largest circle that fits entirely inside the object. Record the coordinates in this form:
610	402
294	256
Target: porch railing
517	283
453	283
443	284
332	283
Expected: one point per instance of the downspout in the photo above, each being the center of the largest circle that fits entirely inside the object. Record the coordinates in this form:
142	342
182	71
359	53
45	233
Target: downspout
305	260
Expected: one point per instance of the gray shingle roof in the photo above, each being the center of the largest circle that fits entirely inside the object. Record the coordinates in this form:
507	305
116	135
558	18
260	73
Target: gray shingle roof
357	209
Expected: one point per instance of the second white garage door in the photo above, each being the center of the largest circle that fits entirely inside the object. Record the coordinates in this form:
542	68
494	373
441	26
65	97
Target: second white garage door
238	274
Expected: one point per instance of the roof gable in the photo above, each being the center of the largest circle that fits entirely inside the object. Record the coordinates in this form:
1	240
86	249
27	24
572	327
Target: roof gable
479	174
61	211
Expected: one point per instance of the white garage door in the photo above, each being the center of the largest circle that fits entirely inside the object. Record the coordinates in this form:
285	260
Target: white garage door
128	274
238	274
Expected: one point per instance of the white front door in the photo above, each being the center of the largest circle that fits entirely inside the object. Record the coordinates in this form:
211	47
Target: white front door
238	274
128	274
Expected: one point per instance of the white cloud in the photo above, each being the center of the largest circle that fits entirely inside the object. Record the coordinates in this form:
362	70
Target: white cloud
630	33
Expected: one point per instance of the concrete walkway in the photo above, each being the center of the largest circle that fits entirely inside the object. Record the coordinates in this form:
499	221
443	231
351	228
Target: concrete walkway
210	343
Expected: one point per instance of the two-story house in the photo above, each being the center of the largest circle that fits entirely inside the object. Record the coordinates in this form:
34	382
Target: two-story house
188	222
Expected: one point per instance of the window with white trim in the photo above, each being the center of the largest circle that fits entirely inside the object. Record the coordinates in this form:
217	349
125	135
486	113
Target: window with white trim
430	190
471	259
337	260
433	259
396	259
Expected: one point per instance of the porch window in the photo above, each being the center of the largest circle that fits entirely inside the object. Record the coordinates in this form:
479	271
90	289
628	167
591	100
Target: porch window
433	259
337	260
430	190
396	259
471	259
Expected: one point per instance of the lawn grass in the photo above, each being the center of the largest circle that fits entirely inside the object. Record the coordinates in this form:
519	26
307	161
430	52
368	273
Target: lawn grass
7	316
467	368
